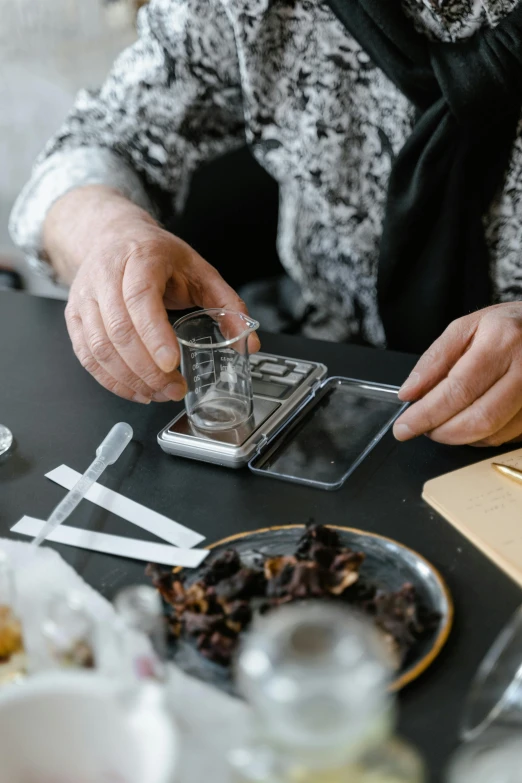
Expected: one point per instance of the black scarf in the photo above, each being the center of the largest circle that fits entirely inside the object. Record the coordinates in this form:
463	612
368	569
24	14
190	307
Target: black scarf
434	261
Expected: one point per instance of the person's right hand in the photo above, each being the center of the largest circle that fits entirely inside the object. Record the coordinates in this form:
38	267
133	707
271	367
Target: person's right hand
125	272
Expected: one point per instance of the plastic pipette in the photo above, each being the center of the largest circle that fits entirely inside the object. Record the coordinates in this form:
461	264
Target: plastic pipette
106	454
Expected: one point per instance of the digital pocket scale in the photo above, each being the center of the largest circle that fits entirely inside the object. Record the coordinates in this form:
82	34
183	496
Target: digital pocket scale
305	428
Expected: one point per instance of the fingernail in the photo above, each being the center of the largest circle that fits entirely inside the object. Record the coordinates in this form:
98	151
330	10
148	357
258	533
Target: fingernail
175	391
160	397
402	431
411	381
140	398
166	358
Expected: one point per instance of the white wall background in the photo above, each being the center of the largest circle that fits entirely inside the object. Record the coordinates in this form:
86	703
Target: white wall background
48	50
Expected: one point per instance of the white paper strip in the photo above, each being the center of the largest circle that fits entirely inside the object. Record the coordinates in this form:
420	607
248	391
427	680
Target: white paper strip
128	509
115	545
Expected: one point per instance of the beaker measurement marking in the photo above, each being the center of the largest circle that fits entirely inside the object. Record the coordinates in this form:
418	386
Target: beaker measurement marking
198	365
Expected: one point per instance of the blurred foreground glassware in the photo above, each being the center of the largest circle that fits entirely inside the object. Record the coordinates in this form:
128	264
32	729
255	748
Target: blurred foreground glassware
13	659
6	439
69	633
495	698
495	757
145	677
316	677
141	610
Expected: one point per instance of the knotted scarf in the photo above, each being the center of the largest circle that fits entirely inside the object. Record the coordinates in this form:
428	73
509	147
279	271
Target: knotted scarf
434	261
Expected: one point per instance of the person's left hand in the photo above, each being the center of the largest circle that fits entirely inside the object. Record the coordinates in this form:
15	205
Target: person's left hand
467	388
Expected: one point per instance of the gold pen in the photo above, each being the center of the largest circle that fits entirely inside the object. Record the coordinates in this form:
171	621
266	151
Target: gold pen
507	470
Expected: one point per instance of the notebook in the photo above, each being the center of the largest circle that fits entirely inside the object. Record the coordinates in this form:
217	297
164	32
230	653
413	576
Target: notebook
486	507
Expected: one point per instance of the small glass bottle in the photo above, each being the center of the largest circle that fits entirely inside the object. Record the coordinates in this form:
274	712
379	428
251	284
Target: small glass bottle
316	677
13	659
146	683
69	633
141	610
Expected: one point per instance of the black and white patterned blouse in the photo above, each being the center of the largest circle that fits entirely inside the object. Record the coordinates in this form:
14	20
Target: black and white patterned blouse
286	76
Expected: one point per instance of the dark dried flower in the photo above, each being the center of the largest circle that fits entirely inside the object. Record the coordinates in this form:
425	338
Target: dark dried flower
246	583
322	555
217	647
222	567
178	592
195	623
162	580
277	586
317	534
274	565
397	615
305	582
238	612
344	571
219	606
195	598
174	626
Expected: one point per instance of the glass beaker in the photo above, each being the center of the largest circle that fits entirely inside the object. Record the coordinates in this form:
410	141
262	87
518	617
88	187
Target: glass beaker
214	362
495	698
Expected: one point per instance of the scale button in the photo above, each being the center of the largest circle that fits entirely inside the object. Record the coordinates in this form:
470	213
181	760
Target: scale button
274	389
274	369
291	379
301	367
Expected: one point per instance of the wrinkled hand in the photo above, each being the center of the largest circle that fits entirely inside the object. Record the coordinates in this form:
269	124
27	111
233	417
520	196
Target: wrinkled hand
131	271
468	385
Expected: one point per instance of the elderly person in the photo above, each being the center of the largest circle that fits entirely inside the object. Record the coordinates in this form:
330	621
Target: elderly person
393	130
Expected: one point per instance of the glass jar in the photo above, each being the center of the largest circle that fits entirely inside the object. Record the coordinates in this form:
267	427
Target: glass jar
316	677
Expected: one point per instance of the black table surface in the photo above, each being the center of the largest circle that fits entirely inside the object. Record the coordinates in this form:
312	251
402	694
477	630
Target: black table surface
59	415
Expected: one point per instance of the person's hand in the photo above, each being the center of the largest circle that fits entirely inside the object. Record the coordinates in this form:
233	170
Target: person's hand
126	271
468	385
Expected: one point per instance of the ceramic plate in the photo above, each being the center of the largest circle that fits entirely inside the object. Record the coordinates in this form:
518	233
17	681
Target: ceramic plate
388	565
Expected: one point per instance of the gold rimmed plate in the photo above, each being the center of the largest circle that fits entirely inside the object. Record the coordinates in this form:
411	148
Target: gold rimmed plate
388	565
